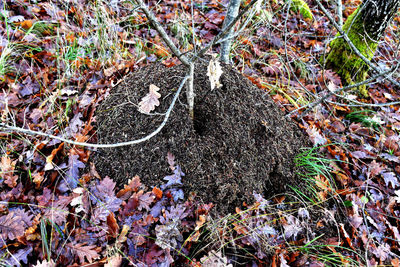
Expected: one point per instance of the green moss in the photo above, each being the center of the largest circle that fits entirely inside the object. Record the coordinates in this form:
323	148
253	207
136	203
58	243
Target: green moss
344	61
301	7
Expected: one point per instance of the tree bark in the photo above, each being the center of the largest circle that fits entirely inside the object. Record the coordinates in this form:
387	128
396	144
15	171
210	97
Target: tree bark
364	27
233	10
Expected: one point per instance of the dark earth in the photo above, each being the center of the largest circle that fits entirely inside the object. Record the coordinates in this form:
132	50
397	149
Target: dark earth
239	143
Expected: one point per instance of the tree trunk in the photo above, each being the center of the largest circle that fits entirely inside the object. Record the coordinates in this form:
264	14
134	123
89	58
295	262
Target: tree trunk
364	27
233	10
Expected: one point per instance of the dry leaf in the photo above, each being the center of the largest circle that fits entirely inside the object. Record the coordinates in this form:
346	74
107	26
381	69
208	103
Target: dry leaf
114	261
7	168
45	263
82	251
122	236
214	72
37	179
157	192
150	101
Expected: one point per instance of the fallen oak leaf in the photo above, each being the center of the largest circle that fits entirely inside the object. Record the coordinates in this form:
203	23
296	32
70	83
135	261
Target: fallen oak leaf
171	160
7	168
150	101
11	226
20	256
157	192
113	227
114	261
38	177
315	136
174	179
145	200
123	235
84	251
390	178
49	159
135	183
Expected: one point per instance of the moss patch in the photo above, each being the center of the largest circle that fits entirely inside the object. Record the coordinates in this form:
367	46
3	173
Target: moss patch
344	61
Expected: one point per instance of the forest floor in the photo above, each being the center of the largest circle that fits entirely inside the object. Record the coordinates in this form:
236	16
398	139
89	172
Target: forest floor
251	182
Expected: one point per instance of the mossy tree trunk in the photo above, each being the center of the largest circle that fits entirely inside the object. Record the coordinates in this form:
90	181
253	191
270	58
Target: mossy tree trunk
364	27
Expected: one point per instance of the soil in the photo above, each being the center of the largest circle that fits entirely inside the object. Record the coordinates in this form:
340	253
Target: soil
239	142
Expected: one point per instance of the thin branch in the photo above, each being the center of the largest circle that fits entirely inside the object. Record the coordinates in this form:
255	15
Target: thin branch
361	104
352	46
224	31
157	26
339	12
193	28
190	90
8	128
310	106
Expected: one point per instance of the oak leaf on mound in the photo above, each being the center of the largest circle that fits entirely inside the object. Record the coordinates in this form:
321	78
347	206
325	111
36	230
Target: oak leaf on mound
150	101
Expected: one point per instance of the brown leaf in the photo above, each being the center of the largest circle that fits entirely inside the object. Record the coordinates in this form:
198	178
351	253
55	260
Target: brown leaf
38	178
114	261
157	192
7	167
144	200
122	236
338	127
113	226
49	159
135	183
374	168
26	24
11	226
58	211
171	160
83	252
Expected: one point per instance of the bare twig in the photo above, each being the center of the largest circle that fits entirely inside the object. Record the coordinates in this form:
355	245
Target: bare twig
8	128
157	26
361	104
224	31
310	106
190	91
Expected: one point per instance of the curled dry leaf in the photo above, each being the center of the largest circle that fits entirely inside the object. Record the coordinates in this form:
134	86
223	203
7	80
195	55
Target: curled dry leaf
150	101
171	160
122	236
214	72
7	169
